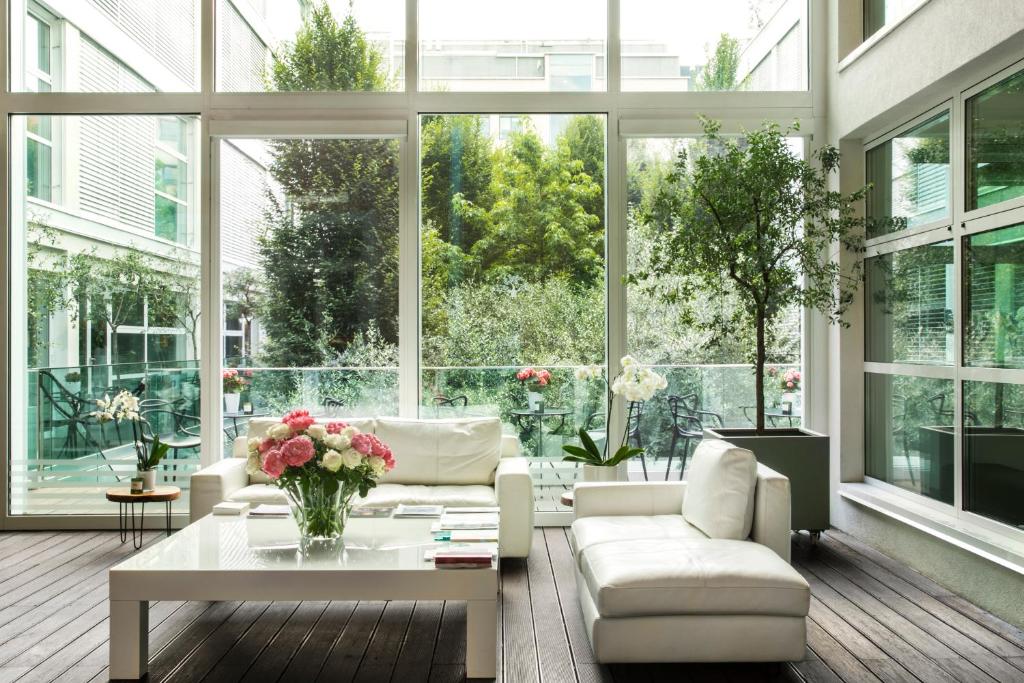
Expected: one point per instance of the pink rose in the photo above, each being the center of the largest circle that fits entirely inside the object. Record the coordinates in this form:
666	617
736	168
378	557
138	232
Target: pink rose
266	444
789	385
298	450
525	374
363	443
335	427
298	420
273	464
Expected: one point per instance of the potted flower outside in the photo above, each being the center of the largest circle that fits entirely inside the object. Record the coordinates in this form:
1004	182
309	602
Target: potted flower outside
234	383
124	407
536	382
634	383
789	383
321	468
752	221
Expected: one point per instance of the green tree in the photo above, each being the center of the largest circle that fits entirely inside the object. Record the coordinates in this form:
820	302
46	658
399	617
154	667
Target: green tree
243	288
330	253
583	141
754	221
719	73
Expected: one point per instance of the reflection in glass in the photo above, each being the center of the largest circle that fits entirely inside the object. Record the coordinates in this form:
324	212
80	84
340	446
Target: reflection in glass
994	451
995	143
909	433
725	45
909	175
489	46
994	298
909	312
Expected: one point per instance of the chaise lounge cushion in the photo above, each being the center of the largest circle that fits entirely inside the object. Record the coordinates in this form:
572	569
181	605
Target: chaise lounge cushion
676	576
456	451
588	532
720	490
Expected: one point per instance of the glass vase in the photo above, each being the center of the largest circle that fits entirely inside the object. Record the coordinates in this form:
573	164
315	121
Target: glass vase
321	508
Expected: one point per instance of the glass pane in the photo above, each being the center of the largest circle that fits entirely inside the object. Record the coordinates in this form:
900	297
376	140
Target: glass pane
119	46
232	316
173	132
171	219
294	46
38	170
910	179
878	13
171	174
995	138
909	433
309	232
40	125
93	265
909	316
512	240
994	451
994	298
725	45
483	45
714	385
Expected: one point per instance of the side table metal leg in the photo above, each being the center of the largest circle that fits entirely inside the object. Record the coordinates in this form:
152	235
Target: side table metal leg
129	639
137	535
168	517
122	521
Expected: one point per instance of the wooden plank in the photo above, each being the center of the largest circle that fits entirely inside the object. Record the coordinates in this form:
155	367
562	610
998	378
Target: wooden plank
191	637
32	556
969	648
813	670
553	653
451	637
866	652
917	637
413	665
274	659
564	572
836	657
520	657
448	673
915	578
236	661
344	658
202	660
315	647
991	641
382	653
887	641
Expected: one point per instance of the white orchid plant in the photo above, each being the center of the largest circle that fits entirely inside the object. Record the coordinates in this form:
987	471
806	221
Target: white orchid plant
635	383
124	407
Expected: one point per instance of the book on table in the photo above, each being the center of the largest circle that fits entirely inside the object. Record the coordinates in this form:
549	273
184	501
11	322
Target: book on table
270	511
487	509
468	521
419	511
372	511
467	535
459	549
230	508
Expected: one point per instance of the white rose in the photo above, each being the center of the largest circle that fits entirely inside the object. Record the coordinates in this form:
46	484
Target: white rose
333	460
351	458
279	431
349	432
253	464
336	441
254	444
377	465
316	431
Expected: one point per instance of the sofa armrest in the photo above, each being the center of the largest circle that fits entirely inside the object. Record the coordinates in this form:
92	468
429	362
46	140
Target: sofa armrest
592	499
509	446
514	490
771	511
213	484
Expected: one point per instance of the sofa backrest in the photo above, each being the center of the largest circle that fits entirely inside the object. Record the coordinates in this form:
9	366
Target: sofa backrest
720	494
446	451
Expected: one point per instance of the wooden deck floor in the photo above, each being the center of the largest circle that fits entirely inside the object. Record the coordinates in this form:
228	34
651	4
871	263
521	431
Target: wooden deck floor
871	620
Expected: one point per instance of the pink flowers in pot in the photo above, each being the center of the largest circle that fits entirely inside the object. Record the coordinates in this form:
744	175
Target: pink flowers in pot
790	380
233	382
536	380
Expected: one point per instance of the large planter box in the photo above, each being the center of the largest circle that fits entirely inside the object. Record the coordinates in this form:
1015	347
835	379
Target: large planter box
801	455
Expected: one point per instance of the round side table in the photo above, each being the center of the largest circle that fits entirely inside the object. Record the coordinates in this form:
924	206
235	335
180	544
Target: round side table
568	498
126	501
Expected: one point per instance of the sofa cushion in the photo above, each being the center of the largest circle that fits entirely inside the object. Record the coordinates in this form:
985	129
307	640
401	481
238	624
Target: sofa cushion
720	490
590	531
452	451
389	495
678	576
258	494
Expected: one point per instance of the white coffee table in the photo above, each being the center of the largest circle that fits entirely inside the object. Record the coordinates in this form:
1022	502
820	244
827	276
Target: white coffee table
238	558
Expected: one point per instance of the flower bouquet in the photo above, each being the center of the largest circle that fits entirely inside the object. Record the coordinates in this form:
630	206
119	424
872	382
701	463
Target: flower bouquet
535	381
321	467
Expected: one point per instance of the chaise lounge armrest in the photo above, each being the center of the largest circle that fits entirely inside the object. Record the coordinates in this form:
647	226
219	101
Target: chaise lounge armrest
605	499
214	484
514	490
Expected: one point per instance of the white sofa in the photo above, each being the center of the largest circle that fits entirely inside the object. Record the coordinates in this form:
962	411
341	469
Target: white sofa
694	571
453	462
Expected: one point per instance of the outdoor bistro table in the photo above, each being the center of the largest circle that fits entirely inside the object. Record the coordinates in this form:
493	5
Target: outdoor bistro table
775	414
524	419
125	499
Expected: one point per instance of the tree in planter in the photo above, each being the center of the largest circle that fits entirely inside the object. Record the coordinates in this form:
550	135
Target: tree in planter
752	219
243	287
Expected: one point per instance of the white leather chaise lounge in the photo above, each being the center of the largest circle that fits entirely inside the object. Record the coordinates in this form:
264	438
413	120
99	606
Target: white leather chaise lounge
694	571
454	462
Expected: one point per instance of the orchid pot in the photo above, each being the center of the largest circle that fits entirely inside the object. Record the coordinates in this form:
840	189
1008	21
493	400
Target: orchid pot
148	479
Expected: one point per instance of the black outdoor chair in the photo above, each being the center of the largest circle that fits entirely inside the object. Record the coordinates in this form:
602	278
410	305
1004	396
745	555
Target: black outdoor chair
451	402
944	415
772	420
687	425
178	430
690	405
73	412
